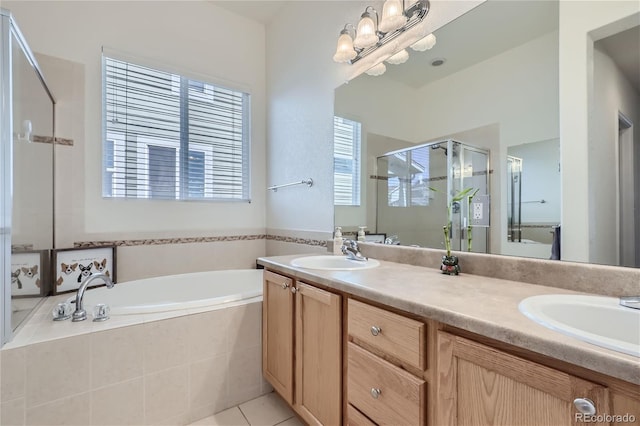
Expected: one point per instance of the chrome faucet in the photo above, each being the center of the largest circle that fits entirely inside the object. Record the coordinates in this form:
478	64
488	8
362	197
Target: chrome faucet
80	314
632	302
350	248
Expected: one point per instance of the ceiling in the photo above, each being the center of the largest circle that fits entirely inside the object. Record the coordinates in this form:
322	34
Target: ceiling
262	11
624	49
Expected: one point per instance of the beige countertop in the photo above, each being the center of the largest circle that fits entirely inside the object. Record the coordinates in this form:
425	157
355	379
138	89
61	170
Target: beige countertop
482	305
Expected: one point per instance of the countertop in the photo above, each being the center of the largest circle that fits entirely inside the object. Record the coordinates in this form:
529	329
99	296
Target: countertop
482	305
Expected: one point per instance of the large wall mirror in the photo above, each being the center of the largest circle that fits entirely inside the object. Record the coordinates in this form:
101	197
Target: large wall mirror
490	84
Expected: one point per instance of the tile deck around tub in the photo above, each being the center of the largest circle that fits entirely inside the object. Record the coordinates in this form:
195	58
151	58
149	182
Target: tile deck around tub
267	410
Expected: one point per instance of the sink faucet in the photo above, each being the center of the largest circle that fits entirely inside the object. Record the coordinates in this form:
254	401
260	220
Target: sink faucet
80	314
632	302
350	248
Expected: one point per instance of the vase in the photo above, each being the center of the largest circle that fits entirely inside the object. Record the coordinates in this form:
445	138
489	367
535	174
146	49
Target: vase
450	265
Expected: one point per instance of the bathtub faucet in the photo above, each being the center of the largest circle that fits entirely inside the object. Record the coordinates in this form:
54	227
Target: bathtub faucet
80	314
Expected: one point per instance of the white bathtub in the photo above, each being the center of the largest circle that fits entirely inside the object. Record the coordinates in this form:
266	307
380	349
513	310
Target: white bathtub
174	292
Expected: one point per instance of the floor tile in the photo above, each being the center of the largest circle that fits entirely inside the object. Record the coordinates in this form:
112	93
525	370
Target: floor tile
230	417
268	410
293	421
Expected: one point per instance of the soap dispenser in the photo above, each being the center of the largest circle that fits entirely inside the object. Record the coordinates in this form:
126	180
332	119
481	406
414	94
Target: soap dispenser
337	241
361	234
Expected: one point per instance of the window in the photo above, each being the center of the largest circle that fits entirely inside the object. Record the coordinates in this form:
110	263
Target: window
346	162
408	177
169	137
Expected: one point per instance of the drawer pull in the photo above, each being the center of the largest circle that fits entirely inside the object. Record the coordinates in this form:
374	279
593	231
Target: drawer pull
294	290
375	330
375	393
585	406
285	286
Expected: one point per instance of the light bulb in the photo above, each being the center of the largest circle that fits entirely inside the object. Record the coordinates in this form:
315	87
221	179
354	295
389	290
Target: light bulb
424	44
366	34
344	51
398	58
392	16
377	70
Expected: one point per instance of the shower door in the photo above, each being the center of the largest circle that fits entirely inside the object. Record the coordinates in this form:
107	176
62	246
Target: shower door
26	178
468	168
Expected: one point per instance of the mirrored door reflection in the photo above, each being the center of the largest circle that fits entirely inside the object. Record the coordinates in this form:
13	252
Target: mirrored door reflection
32	201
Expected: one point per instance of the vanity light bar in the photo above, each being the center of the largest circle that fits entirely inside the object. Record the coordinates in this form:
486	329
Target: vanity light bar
415	14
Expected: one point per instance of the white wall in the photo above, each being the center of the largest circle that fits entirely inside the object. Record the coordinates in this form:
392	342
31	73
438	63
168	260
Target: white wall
581	23
192	37
301	78
612	94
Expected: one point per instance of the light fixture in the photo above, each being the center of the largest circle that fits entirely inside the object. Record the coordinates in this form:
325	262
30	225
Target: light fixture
392	16
345	51
369	35
425	43
367	32
398	58
377	70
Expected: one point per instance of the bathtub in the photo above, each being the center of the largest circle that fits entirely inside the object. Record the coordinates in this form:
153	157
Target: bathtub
175	292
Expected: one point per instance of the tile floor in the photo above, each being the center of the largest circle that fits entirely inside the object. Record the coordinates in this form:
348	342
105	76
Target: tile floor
267	410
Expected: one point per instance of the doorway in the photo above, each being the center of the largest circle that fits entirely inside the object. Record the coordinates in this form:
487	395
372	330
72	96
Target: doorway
628	193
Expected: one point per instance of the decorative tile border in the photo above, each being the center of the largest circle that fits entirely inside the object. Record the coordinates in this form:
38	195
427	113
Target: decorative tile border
187	240
50	139
306	241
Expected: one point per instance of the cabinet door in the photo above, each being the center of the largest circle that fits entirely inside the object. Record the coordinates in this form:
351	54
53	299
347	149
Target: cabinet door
318	356
478	385
277	333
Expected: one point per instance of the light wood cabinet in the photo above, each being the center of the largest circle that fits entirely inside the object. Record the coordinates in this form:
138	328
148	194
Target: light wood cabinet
277	333
318	355
479	385
304	320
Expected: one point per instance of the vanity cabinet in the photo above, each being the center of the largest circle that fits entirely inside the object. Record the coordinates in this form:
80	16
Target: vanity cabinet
303	320
479	384
386	356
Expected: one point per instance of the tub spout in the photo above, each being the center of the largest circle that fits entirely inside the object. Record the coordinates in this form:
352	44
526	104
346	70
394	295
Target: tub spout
80	314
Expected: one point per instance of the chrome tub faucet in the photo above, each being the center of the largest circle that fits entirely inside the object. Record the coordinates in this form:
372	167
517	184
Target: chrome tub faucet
632	302
80	314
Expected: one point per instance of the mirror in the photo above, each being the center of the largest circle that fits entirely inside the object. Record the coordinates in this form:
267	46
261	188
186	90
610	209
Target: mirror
32	167
491	82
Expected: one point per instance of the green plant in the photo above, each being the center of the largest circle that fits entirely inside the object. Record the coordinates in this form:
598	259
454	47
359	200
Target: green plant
447	228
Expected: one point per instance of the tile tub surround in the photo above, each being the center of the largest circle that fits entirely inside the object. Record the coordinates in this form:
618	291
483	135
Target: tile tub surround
482	305
160	371
589	278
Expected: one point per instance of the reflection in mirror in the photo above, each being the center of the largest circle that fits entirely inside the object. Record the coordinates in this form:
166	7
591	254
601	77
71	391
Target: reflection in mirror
415	186
32	196
491	82
533	191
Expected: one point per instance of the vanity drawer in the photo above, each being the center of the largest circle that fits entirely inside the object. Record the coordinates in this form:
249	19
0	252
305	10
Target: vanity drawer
385	393
398	336
356	418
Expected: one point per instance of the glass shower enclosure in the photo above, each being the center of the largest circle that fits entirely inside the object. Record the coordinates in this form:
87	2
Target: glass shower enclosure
26	178
415	186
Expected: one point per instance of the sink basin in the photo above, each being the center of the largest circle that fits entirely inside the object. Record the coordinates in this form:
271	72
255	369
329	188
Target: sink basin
333	263
597	320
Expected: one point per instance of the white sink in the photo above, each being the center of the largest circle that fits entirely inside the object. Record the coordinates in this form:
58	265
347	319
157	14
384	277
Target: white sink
597	320
333	263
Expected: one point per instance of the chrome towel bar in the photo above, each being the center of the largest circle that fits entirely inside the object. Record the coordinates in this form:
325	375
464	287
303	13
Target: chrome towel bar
308	182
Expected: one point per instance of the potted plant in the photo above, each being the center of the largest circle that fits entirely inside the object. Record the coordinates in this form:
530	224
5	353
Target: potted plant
450	263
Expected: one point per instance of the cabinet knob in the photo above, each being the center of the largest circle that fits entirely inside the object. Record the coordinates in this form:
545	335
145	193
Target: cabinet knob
375	330
585	406
294	290
375	392
285	286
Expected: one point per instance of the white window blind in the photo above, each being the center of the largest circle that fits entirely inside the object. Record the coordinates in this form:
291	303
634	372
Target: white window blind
346	162
170	137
